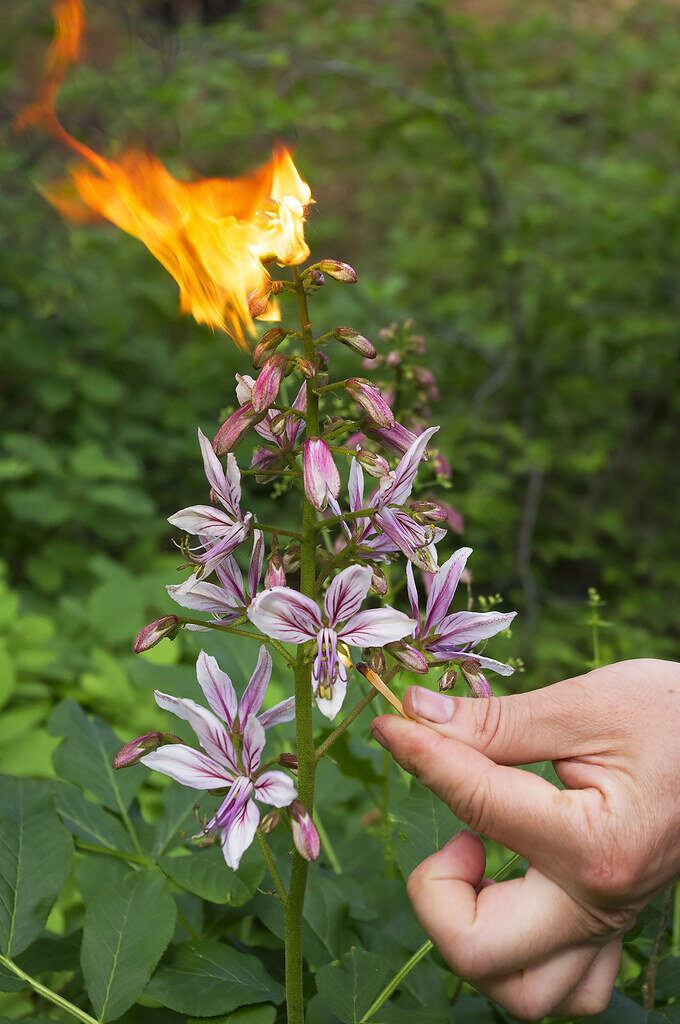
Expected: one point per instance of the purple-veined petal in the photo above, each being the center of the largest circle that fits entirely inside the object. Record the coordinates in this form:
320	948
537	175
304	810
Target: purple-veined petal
233	430
443	587
202	519
409	657
204	597
284	614
266	387
405	473
330	706
221	483
275	576
218	688
256	561
190	767
396	439
238	836
294	424
372	400
251	701
305	835
320	474
253	744
488	663
469	627
231	578
210	732
412	591
275	788
282	712
263	460
375	627
244	388
414	540
355	486
347	592
213	556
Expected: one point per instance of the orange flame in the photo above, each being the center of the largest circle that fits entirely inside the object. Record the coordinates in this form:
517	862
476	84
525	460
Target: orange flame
212	235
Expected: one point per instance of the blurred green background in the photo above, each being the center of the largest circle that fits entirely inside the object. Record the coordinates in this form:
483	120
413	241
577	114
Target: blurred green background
504	173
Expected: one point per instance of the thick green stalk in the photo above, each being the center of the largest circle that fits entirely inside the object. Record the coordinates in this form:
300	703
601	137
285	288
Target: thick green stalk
303	704
47	993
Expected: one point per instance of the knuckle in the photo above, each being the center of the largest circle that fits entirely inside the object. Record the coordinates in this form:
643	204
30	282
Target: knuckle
490	720
471	801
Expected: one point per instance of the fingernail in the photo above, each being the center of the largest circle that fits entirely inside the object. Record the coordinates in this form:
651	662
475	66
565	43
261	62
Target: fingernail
379	737
435	707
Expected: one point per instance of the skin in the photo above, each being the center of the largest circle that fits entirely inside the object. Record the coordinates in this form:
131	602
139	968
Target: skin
599	850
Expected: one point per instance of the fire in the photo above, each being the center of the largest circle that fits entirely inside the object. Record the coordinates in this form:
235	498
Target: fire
212	235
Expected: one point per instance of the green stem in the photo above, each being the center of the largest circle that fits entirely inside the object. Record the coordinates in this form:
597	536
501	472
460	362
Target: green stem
396	981
276	644
47	993
303	704
129	826
327	845
361	513
273	870
132	858
324	747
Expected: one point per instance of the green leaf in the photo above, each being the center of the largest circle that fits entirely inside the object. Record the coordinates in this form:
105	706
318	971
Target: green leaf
395	1015
89	821
424	825
621	1010
208	978
35	860
127	928
52	953
349	988
325	911
9	982
205	873
86	754
177	815
265	1014
666	1015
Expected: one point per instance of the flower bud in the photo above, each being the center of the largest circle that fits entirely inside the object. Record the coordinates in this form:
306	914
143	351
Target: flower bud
394	358
133	751
378	581
305	836
369	397
267	385
447	680
339	271
397	439
475	678
320	474
321	360
258	302
275	575
267	343
155	632
307	369
375	658
269	822
441	466
289	761
277	424
278	287
408	656
291	558
313	281
428	512
232	432
374	464
352	339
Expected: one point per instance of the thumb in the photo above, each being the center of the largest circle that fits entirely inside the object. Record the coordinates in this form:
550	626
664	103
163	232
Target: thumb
554	722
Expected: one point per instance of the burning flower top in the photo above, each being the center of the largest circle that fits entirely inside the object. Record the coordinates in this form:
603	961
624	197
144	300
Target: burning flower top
222	766
285	614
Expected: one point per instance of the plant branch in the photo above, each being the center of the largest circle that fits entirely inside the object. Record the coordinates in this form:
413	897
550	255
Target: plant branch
324	747
47	993
273	870
222	628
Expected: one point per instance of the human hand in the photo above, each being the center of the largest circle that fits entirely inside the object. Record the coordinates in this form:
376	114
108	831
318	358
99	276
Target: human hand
598	851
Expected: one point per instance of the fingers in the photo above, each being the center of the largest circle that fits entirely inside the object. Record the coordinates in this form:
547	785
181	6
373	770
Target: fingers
593	993
538	991
499	929
514	807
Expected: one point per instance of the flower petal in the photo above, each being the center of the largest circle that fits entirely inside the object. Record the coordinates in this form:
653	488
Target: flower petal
469	627
443	588
202	519
190	767
284	614
275	788
321	477
330	706
347	592
256	561
210	732
405	473
253	744
218	688
412	591
226	486
375	627
203	597
251	701
280	713
239	835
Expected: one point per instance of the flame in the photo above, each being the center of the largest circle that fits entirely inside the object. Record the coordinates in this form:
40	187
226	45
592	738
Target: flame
212	235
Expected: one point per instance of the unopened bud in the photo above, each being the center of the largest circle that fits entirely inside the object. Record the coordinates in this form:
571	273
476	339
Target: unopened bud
447	680
305	835
133	751
339	271
278	287
275	575
233	430
321	360
258	302
428	512
155	632
394	358
267	343
289	761
352	339
266	387
374	464
269	822
291	558
277	424
313	281
307	369
409	657
375	658
370	398
378	581
475	678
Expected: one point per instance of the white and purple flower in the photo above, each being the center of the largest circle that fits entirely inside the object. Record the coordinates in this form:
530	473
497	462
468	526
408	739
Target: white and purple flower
219	532
284	614
228	600
221	766
452	637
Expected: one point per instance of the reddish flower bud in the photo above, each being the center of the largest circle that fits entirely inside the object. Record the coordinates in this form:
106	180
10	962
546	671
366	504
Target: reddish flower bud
291	558
374	464
369	397
267	343
352	339
339	271
475	678
267	385
232	432
313	281
375	658
155	632
275	575
320	474
269	822
133	751
289	761
394	358
277	424
305	836
409	657
447	681
378	581
428	512
307	369
258	302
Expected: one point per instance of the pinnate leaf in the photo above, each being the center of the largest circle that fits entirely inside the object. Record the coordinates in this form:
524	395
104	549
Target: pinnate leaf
348	988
